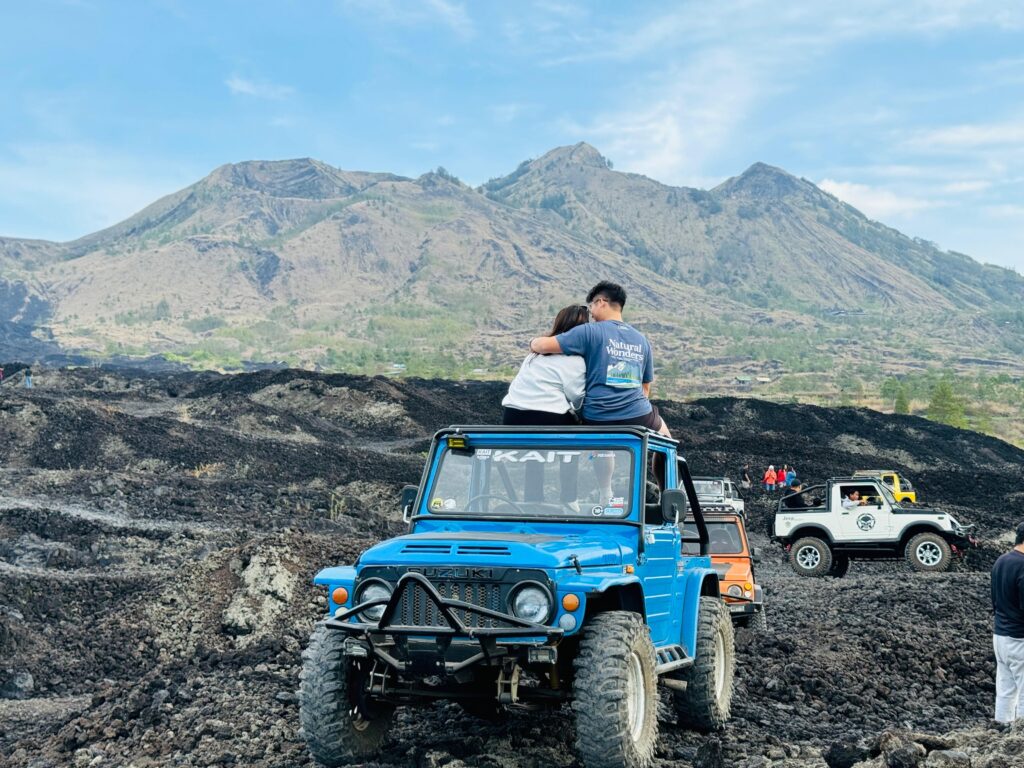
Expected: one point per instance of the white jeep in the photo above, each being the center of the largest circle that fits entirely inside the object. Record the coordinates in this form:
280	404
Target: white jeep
824	527
718	492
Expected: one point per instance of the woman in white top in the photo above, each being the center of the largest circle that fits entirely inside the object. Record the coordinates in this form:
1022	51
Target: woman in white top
548	390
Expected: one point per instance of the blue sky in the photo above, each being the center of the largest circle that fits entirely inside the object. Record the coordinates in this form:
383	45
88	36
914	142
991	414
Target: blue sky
913	111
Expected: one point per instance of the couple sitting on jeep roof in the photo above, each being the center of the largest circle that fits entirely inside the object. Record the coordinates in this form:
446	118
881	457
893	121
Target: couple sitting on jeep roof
605	365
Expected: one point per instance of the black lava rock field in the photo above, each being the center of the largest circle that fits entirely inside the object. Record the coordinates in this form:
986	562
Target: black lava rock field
159	533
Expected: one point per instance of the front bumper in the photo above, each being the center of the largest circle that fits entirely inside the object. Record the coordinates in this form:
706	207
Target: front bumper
447	648
744	608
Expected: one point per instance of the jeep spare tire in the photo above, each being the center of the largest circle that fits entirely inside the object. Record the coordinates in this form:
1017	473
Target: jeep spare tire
705	704
339	725
810	556
615	693
928	552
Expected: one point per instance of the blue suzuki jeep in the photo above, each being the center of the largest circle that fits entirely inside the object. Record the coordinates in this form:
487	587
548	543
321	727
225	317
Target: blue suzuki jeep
542	566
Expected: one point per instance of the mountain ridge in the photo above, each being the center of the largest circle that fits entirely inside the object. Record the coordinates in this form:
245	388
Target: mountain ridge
299	261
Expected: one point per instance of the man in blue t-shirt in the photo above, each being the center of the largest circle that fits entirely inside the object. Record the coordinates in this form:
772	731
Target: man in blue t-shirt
620	367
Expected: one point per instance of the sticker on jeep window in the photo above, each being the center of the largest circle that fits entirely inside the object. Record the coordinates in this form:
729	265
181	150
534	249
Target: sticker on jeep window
542	457
436	503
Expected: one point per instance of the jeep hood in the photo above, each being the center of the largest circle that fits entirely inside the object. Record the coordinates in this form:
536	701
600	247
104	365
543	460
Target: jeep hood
537	550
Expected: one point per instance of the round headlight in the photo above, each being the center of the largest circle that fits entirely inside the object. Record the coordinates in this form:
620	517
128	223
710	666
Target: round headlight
374	590
532	603
735	590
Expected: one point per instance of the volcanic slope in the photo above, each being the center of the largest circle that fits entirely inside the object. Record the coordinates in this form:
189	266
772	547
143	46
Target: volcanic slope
158	535
300	261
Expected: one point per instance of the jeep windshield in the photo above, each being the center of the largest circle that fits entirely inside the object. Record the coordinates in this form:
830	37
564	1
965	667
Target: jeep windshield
709	489
536	481
723	538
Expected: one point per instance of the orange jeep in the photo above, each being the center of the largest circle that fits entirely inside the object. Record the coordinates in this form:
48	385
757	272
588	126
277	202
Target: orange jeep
733	559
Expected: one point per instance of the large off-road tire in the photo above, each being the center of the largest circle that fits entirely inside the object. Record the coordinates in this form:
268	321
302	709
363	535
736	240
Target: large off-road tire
705	704
810	556
335	732
615	693
840	566
759	621
928	552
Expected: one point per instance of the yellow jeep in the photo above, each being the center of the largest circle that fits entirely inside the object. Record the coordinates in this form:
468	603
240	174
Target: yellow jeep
901	488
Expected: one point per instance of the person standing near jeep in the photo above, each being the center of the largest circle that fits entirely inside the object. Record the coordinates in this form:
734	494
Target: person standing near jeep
1008	635
620	366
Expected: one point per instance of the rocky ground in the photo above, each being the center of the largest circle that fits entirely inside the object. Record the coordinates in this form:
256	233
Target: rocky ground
158	535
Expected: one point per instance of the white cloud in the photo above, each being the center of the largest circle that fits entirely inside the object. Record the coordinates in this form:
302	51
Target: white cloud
970	136
960	187
1006	211
260	90
409	13
673	127
875	202
506	113
453	15
86	187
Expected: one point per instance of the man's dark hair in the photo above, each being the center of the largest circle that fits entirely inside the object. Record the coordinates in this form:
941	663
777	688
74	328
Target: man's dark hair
614	292
1020	535
795	484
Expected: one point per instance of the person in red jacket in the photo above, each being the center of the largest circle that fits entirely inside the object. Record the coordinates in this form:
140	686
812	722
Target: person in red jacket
770	477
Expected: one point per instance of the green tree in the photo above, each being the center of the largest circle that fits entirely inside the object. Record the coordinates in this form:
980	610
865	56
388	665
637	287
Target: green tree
902	404
946	406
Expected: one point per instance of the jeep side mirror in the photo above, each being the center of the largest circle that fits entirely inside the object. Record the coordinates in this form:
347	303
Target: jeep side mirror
755	554
407	499
673	501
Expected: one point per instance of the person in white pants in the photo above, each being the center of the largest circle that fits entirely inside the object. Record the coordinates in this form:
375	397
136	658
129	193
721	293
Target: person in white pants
1008	636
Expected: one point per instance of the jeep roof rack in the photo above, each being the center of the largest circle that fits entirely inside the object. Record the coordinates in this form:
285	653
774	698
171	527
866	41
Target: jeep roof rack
625	429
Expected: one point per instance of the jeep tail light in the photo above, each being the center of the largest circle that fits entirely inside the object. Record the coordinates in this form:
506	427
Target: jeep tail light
339	595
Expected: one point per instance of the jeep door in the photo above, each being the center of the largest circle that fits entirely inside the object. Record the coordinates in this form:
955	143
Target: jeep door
871	521
657	571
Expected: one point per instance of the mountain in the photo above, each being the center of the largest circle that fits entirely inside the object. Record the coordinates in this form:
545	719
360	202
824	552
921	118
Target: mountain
765	236
296	261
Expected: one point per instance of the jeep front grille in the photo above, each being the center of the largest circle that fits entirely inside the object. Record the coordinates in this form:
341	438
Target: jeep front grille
415	609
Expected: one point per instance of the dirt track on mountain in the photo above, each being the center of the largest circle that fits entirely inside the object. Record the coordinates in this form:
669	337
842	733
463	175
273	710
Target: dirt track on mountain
158	535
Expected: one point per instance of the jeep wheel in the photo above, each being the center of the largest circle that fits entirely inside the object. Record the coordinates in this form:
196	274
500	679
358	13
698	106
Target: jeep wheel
928	552
840	566
705	703
759	621
811	556
615	693
338	730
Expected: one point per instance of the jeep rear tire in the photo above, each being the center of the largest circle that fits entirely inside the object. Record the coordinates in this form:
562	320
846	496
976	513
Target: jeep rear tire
615	692
705	704
928	552
336	730
810	556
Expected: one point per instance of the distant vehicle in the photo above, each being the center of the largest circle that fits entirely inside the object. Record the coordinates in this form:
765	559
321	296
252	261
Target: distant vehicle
824	536
900	486
733	559
716	492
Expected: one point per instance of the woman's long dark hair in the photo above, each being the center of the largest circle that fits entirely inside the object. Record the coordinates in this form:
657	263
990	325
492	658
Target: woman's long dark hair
569	317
